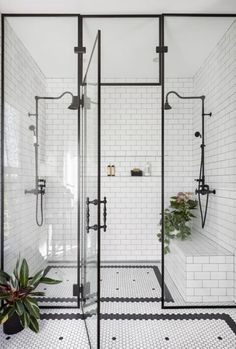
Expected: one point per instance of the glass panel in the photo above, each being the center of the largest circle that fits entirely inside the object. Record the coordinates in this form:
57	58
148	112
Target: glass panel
200	128
39	61
128	48
91	194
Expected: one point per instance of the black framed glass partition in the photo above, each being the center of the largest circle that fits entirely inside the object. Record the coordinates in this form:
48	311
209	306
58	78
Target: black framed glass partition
128	49
199	131
40	150
91	200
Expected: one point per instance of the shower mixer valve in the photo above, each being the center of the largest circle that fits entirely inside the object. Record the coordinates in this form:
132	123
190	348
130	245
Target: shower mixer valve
41	186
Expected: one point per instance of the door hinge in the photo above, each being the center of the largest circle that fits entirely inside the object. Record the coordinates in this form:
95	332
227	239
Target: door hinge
82	101
161	49
79	49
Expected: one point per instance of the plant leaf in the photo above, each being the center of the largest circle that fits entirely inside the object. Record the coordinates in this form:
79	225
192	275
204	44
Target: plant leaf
6	314
25	319
33	325
36	279
49	281
19	307
4	296
24	273
37	294
32	307
16	270
4	277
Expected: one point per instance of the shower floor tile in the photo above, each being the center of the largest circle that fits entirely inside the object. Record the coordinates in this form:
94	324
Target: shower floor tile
131	317
118	283
171	334
54	334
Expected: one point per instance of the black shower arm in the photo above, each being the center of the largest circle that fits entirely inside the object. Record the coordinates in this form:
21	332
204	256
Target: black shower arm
59	97
184	97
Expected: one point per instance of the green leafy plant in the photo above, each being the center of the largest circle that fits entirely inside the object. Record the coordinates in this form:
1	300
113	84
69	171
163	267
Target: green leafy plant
176	219
17	291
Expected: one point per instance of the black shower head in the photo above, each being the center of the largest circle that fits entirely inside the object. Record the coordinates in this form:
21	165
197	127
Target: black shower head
75	103
167	106
198	134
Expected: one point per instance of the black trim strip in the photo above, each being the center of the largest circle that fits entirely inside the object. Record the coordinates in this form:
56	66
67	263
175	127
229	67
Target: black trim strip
132	299
104	299
209	316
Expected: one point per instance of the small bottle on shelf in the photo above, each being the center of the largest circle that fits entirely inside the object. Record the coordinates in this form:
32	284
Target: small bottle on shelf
109	170
113	170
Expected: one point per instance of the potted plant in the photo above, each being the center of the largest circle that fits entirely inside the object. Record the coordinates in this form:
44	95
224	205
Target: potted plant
17	291
177	218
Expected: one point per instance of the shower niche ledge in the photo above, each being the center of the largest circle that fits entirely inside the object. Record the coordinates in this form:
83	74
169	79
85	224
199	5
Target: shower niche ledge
202	270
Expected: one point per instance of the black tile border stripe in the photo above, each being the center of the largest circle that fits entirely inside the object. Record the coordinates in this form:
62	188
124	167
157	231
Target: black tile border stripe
131	299
103	299
168	297
208	316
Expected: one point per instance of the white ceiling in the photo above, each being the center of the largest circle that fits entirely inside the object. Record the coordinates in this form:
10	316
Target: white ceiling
118	6
128	45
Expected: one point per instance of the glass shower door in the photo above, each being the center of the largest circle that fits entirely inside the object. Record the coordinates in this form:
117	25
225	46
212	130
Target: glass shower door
91	201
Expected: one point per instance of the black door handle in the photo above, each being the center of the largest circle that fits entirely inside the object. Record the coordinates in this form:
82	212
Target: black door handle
95	226
104	202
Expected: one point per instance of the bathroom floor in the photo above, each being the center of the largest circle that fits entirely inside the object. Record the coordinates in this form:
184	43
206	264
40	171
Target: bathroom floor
132	317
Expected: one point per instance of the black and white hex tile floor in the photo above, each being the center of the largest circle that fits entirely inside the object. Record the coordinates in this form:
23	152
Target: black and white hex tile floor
131	318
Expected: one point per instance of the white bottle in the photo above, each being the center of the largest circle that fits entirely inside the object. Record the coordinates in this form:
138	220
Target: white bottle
147	171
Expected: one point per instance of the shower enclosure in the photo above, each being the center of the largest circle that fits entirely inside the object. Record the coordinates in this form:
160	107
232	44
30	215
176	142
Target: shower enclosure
198	229
146	92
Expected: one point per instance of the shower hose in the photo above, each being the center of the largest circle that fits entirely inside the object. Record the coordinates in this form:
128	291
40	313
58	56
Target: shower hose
39	221
203	214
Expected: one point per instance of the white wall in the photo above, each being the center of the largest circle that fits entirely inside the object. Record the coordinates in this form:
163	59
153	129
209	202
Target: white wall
216	80
23	80
131	136
61	171
178	139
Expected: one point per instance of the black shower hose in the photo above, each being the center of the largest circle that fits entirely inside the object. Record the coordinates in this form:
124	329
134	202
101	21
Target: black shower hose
39	223
203	214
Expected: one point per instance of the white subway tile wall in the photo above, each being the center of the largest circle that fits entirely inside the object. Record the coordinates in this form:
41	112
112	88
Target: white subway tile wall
131	137
23	80
216	80
61	163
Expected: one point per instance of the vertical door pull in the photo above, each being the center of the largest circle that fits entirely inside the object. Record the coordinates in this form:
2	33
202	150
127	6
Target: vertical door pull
95	226
104	202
